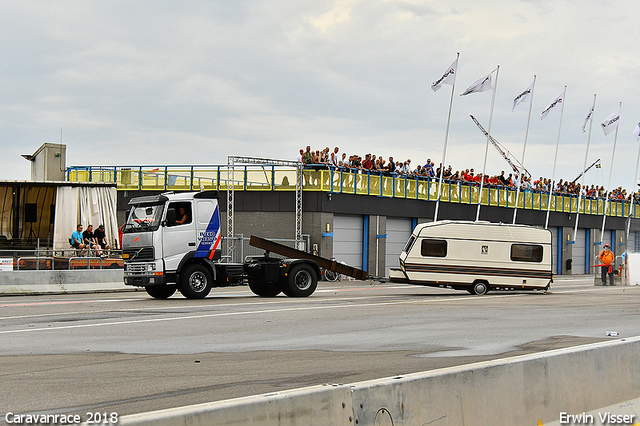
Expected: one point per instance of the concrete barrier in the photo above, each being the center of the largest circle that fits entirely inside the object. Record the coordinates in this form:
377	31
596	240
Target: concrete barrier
317	405
525	390
61	281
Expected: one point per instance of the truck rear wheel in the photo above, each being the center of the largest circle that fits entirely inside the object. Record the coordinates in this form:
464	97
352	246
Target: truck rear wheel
161	291
301	281
265	289
195	282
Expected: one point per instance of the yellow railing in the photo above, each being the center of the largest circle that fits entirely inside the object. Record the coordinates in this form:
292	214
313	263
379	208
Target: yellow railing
276	178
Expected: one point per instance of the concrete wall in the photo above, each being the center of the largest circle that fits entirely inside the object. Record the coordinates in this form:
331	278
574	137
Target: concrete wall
271	214
513	391
36	282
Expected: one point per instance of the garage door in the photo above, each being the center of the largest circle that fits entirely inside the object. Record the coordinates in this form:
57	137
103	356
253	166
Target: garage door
398	232
579	252
348	232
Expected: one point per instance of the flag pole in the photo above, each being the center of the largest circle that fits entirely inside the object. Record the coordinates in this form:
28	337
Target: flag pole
524	149
444	149
486	149
555	160
606	198
584	167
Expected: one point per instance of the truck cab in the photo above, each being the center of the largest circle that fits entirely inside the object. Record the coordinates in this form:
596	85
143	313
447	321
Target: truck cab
171	233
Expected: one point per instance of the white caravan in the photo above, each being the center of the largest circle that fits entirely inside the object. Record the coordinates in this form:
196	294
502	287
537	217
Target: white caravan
476	256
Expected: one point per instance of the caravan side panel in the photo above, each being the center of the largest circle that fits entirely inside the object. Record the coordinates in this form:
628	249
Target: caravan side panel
478	251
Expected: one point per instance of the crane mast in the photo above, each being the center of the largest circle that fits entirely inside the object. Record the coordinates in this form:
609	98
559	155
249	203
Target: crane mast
586	170
508	157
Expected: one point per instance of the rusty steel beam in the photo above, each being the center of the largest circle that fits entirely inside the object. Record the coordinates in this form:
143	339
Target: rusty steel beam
332	265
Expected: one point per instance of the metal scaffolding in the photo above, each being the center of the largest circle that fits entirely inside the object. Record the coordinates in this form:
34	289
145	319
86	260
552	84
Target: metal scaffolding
232	161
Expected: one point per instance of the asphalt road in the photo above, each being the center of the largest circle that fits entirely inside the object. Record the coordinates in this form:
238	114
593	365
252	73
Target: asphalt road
126	353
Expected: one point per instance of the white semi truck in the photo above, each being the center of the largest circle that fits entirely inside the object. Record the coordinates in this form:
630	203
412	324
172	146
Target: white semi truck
172	241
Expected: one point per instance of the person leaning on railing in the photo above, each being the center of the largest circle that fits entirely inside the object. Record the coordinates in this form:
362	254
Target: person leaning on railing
317	160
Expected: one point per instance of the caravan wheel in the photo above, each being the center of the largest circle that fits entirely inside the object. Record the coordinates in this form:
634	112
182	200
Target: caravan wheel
480	288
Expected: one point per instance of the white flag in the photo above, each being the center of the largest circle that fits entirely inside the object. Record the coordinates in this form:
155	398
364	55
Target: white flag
589	116
523	97
611	122
557	104
480	85
636	131
449	77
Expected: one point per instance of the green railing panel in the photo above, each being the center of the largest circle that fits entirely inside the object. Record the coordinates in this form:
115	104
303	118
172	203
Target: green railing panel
374	184
312	180
412	190
423	189
486	196
399	187
270	178
455	193
362	184
432	190
259	180
501	197
285	180
179	180
387	186
465	194
348	181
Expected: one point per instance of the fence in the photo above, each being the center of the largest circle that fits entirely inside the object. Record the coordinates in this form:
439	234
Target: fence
70	259
281	178
29	260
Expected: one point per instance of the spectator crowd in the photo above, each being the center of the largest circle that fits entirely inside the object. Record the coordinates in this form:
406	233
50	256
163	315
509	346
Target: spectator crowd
323	159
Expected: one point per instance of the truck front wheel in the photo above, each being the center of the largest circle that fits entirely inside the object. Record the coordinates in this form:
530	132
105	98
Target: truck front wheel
195	282
301	281
161	291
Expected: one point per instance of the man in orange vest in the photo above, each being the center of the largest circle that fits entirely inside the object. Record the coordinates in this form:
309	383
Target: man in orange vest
607	258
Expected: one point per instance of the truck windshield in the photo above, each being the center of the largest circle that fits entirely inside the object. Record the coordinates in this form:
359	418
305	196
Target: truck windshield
144	217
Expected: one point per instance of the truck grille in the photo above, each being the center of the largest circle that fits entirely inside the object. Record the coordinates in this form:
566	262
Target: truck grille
139	254
133	268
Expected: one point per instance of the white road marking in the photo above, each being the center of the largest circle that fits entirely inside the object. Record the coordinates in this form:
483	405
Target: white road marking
560	290
254	312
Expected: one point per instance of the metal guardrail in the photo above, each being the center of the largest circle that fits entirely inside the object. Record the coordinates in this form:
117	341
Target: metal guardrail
87	258
281	178
49	261
29	260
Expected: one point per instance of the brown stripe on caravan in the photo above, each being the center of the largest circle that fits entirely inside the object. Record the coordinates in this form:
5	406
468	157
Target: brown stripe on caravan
466	270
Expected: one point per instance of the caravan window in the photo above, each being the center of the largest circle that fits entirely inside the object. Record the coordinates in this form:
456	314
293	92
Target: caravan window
409	244
434	248
526	253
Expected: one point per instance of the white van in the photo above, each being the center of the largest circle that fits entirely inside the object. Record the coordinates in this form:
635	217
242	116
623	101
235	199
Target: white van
476	256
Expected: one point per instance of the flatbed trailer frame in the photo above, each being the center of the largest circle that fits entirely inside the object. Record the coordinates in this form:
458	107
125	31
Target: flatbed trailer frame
332	265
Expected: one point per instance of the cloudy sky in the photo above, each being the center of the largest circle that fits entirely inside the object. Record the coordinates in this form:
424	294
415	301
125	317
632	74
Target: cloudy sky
192	82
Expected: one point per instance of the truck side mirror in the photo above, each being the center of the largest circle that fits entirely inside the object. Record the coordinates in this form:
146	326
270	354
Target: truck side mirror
171	217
